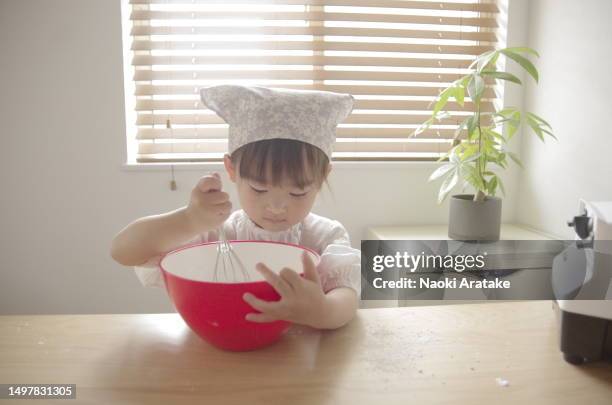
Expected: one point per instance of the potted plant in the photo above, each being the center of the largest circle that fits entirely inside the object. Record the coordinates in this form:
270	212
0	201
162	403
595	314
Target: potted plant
480	141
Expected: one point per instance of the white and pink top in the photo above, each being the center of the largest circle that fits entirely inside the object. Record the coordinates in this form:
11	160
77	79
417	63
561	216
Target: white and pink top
340	264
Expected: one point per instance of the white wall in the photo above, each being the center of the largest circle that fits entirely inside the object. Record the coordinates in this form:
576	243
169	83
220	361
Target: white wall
65	194
573	38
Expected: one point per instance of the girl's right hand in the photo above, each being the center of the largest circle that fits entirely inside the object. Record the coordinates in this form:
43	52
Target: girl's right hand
208	206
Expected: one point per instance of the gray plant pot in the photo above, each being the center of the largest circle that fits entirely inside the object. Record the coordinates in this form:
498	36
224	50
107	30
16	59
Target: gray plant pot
472	220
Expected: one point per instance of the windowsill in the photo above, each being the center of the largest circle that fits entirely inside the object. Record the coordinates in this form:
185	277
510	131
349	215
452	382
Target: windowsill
337	165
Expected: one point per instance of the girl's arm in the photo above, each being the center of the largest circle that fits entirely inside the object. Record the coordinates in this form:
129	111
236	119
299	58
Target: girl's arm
341	277
339	308
150	236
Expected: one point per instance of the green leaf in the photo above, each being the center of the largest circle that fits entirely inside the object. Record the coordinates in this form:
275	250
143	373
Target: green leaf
501	185
441	171
524	49
459	94
499	121
496	158
507	112
461	126
536	128
482	60
443	157
516	159
492	185
454	156
470	174
470	154
494	135
539	126
442	115
449	183
442	100
501	76
475	135
547	132
475	181
502	160
476	87
524	62
538	119
421	128
513	124
487	142
471	125
493	61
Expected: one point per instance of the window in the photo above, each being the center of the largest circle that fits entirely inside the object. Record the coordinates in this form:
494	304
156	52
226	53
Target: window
393	56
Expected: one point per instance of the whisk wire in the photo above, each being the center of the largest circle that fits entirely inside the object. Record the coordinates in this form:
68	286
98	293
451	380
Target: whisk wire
228	268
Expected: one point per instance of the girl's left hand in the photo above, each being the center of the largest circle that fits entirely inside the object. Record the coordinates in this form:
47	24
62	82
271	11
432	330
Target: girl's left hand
302	298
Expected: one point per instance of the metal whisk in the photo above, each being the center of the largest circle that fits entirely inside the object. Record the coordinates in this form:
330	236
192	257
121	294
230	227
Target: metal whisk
231	267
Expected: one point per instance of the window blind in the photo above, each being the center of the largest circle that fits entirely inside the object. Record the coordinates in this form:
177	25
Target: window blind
393	56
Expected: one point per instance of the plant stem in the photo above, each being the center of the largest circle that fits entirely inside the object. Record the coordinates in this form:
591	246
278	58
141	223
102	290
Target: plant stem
480	195
479	148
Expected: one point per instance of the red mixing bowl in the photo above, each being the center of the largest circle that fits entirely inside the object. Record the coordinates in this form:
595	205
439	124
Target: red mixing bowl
216	310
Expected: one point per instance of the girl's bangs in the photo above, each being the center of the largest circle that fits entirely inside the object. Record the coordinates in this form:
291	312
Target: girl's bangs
275	161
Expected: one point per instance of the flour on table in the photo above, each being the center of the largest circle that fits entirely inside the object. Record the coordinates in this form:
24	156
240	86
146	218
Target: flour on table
502	382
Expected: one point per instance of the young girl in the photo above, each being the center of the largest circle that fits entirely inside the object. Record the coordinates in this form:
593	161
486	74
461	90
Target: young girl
279	145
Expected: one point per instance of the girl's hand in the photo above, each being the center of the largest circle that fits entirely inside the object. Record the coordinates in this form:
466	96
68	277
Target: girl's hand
208	206
302	298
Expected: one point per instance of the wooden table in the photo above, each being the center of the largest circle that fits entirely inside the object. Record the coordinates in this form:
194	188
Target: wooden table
421	355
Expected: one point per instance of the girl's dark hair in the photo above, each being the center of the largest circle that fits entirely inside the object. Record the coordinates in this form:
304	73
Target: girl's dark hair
270	161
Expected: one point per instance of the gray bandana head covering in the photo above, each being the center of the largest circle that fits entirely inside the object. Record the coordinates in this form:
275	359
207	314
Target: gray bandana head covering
257	113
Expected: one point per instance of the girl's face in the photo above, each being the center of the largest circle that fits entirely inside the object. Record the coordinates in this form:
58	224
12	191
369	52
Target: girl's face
273	208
